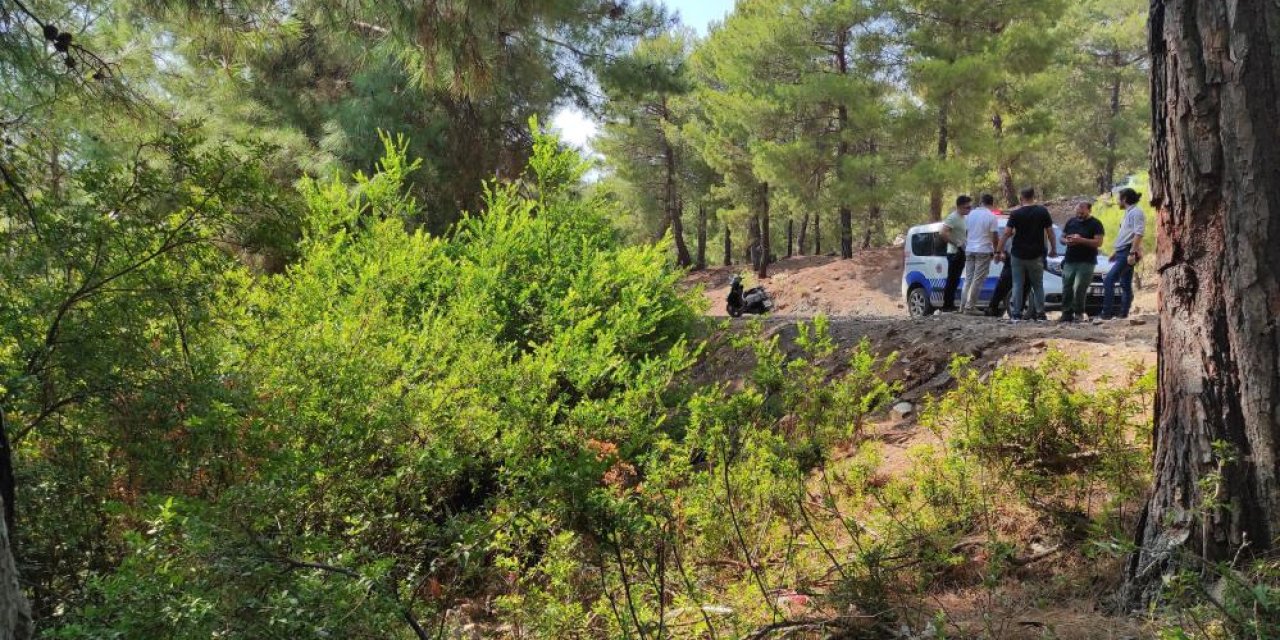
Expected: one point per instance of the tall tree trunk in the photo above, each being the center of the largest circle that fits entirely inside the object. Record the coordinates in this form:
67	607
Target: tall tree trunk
672	198
935	195
15	610
791	224
765	255
846	233
873	210
677	232
1003	168
817	234
842	149
700	259
1214	153
753	240
728	245
873	225
804	234
1108	176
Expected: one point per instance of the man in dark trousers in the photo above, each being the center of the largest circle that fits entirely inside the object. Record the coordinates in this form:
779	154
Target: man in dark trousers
1003	285
1083	235
956	235
1028	233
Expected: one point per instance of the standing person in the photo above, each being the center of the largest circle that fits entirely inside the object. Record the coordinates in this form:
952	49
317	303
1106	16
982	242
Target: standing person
955	233
1083	235
1127	253
979	248
1030	227
1003	285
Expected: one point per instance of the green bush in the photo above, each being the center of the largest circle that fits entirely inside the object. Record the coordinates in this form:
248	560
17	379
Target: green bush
1041	433
418	415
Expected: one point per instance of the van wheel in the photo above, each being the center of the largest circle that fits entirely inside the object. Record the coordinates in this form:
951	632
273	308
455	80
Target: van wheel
918	302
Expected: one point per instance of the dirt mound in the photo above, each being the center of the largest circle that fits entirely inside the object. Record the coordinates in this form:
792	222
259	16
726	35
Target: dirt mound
867	285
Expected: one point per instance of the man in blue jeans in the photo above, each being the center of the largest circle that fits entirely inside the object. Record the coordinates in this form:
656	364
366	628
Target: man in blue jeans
1031	229
1126	254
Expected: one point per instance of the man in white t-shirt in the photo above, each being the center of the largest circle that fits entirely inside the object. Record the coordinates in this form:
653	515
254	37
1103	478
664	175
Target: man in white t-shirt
981	227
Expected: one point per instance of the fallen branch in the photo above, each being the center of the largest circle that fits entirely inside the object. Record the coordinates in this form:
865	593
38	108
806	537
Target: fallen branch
786	627
1036	557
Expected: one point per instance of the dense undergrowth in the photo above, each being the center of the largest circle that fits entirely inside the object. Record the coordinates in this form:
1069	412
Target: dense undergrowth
498	434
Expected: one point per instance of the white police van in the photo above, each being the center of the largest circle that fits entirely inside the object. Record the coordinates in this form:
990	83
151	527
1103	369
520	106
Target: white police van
924	273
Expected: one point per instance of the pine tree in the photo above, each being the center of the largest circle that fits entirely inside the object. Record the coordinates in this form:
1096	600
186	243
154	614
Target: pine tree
1104	90
738	88
968	60
642	139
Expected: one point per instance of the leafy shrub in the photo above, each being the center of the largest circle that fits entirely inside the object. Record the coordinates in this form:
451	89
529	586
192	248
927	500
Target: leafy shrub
418	413
1221	600
1051	440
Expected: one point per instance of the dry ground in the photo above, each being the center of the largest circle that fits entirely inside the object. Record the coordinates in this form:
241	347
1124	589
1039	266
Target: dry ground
861	299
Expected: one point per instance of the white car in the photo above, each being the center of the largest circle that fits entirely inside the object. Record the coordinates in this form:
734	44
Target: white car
924	273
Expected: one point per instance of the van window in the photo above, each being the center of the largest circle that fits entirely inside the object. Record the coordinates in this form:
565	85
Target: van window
928	244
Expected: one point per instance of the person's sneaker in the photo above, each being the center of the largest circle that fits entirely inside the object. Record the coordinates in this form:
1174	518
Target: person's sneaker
1014	320
992	313
1105	317
975	312
947	309
1067	318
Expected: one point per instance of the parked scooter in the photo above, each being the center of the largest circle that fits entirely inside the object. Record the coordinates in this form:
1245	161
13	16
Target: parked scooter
754	300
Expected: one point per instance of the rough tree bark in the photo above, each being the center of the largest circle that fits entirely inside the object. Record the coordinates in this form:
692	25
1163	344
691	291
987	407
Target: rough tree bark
15	610
791	232
728	246
1214	159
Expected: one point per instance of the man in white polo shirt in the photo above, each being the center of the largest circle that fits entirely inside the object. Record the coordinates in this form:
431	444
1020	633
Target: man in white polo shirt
981	230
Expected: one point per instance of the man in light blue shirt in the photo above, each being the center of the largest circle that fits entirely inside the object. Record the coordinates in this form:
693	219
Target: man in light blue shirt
1126	254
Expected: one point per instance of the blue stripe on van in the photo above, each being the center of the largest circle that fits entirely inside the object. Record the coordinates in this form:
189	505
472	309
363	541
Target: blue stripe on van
934	287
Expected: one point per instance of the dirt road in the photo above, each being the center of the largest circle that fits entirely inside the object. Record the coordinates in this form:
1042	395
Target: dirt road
861	298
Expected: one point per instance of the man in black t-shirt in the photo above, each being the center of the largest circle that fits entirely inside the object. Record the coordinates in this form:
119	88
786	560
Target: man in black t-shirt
1082	235
1031	229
